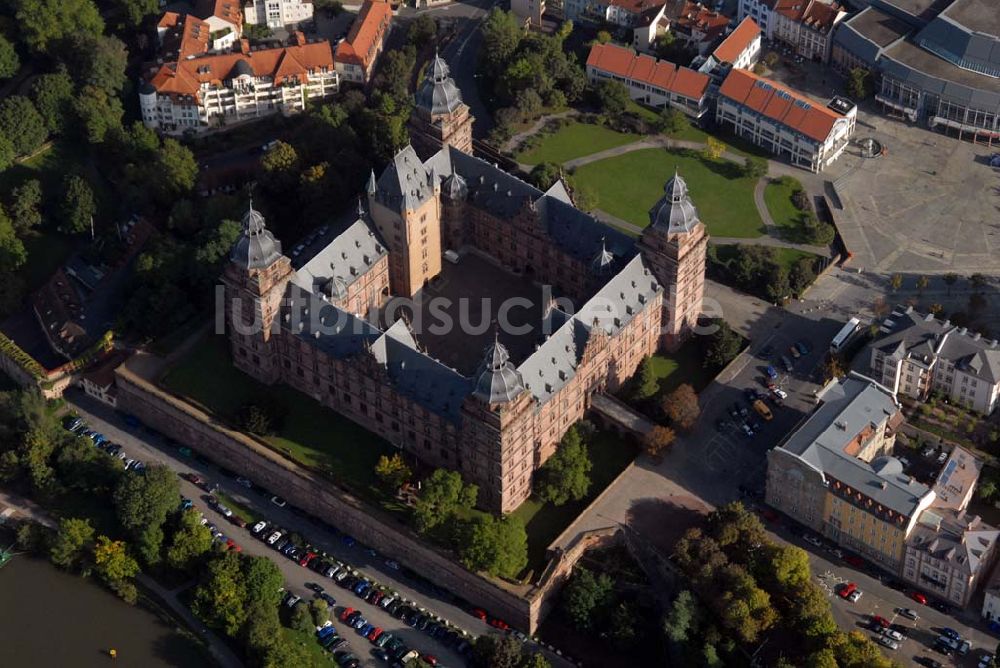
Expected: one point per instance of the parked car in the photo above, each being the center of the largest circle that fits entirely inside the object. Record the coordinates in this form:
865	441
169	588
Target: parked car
803	347
772	372
763	410
885	641
244	481
273	538
849	592
278	501
855	561
880	622
794	352
951	633
258	529
345	613
942	457
812	540
895	635
918	597
787	363
908	613
779	393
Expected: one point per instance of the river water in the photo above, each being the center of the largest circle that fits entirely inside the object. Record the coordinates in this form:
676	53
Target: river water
52	618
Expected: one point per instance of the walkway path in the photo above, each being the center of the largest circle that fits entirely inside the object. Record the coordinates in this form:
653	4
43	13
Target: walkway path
518	137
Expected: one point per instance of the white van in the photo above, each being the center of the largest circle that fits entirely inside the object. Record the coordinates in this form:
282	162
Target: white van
451	256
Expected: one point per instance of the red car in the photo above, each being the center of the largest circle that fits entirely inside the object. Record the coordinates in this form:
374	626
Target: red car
231	545
919	598
193	478
347	612
430	659
855	561
304	561
880	621
374	633
479	614
499	624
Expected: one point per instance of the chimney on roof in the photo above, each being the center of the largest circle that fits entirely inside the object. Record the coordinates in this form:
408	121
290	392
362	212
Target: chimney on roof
244	46
299	38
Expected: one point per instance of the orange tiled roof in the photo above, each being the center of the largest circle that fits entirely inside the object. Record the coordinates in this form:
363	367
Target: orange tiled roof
185	77
646	69
637	6
779	103
737	42
697	16
814	13
367	29
168	20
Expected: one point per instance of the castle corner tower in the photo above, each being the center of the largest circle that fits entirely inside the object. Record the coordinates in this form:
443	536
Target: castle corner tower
255	279
674	245
440	118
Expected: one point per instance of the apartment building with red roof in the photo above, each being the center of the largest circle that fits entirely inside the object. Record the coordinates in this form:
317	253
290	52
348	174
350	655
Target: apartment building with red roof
192	90
356	55
807	26
741	48
794	127
655	83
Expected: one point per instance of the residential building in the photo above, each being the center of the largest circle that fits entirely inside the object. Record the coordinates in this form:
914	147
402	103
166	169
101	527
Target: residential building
834	472
740	49
760	12
696	25
440	118
785	122
200	92
807	26
917	355
936	63
99	380
357	53
655	83
991	598
529	11
499	424
221	16
277	13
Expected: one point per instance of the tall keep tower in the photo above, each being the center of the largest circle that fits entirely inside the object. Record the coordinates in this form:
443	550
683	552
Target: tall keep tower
497	429
255	279
674	246
405	205
440	118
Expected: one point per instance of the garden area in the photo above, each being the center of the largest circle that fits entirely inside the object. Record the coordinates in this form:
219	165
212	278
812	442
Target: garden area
958	424
768	272
572	140
788	203
627	186
301	428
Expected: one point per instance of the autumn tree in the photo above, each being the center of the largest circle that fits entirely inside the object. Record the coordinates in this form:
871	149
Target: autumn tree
896	281
116	567
681	406
658	439
714	149
392	472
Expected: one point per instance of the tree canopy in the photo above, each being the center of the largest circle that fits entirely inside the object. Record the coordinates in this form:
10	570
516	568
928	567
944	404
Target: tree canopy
499	547
566	474
44	23
584	595
21	123
443	495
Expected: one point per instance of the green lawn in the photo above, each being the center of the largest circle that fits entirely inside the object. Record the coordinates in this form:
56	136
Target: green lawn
786	256
778	197
627	186
312	652
575	141
683	366
309	433
544	522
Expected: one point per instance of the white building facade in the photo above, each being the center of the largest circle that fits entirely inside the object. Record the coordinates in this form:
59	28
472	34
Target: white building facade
277	13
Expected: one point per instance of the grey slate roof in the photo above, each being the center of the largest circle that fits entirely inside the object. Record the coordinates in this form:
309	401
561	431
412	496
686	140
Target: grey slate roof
405	182
438	93
342	262
498	381
949	535
675	212
256	248
554	363
848	407
912	335
334	331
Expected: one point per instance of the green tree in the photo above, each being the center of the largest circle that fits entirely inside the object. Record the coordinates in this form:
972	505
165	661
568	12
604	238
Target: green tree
81	466
566	475
9	62
280	159
142	503
190	542
44	23
25	200
263	582
603	37
896	281
300	619
987	490
113	564
681	406
682	619
77	208
777	285
422	31
442	496
658	439
545	174
859	83
7	153
612	97
97	60
537	659
221	596
622	626
392	472
21	123
801	274
501	36
135	11
754	167
645	384
319	612
12	252
98	113
70	543
922	283
499	547
34	455
722	346
176	170
585	594
490	651
53	97
671	121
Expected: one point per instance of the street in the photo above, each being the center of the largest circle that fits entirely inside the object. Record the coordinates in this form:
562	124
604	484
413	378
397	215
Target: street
152	448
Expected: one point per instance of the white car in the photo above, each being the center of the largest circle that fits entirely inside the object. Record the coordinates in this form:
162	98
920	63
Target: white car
273	538
257	528
942	457
854	596
812	540
929	452
780	393
226	512
888	642
895	635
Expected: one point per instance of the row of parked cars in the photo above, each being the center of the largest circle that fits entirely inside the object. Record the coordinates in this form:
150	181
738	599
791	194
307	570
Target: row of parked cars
78	426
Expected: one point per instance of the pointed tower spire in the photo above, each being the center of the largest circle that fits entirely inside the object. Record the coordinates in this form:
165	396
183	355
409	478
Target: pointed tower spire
372	183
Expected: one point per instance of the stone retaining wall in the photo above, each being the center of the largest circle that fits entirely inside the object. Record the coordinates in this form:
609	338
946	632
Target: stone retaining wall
520	606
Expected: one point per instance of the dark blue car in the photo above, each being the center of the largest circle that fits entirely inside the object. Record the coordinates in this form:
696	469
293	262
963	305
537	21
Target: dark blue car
771	372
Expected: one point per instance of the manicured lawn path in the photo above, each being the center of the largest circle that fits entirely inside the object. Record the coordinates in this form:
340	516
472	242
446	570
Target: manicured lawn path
575	141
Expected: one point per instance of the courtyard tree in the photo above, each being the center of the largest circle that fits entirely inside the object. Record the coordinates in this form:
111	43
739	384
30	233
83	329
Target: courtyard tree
896	281
644	383
722	345
71	541
497	546
859	84
21	123
392	472
545	174
603	36
754	167
935	309
671	121
771	59
681	406
566	474
922	283
682	618
443	494
658	439
585	595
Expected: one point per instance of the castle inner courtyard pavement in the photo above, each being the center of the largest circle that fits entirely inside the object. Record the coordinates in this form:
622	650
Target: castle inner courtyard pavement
931	205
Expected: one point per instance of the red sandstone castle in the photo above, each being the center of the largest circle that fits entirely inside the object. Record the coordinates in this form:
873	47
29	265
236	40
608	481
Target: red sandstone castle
320	326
